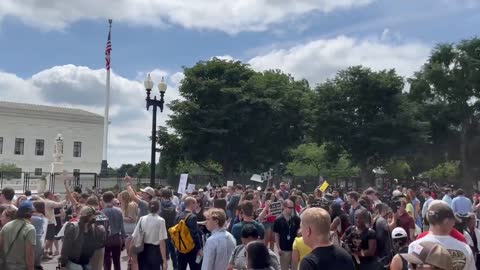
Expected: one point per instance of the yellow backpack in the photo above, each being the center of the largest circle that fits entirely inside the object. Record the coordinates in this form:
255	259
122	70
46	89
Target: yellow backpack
181	236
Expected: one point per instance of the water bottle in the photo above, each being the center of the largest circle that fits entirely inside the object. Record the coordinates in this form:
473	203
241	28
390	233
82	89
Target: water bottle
198	260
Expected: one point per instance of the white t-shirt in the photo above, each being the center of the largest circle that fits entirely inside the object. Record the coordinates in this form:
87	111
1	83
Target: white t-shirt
461	253
154	227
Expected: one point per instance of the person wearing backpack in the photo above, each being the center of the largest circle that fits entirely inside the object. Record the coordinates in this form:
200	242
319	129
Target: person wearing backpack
96	262
81	240
116	236
17	240
189	246
168	211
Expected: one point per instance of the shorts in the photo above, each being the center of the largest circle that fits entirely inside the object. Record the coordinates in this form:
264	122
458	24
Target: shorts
51	232
268	225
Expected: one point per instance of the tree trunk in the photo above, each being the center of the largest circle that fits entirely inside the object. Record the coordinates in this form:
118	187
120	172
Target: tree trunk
364	173
467	181
227	168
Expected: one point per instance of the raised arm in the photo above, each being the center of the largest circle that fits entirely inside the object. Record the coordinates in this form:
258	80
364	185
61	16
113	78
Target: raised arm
67	190
130	190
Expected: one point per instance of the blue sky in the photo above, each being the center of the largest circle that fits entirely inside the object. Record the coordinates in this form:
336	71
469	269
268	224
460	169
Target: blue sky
51	47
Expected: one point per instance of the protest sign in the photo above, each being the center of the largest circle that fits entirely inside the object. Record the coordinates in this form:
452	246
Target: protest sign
275	208
324	186
191	188
256	178
229	183
183	183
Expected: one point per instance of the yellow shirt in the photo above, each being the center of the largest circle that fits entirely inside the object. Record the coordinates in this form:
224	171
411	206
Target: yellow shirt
303	249
409	209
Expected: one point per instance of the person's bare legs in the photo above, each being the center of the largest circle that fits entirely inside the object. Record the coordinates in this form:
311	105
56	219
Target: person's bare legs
57	250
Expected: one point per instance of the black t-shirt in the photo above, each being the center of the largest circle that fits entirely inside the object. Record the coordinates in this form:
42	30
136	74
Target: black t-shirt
358	240
384	243
287	231
327	258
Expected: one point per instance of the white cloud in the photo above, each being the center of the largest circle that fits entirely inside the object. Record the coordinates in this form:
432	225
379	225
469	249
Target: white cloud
224	15
321	59
177	78
84	88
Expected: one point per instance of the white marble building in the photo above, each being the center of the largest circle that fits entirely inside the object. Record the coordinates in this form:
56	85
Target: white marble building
28	132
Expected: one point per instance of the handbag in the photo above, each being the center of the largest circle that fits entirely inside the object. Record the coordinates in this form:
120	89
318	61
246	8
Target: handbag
138	239
3	264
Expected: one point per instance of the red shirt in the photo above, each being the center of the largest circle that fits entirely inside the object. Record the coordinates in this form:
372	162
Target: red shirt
406	222
270	218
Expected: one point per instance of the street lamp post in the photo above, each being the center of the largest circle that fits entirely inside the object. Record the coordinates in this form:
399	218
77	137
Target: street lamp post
162	87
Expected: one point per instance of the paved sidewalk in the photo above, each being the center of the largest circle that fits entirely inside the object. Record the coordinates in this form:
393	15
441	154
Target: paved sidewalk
52	264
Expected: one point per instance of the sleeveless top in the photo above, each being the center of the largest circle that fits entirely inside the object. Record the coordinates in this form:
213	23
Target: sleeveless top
404	262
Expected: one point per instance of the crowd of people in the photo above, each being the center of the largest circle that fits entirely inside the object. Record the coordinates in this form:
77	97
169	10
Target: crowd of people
241	227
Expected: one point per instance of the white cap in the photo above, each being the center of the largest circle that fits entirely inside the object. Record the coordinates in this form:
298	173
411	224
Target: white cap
397	193
149	191
399	232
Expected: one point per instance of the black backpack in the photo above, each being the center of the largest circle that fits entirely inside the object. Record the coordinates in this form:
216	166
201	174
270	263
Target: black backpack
168	213
102	219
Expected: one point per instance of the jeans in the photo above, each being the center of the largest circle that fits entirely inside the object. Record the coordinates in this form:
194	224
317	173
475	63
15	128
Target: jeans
150	258
172	252
189	258
39	251
113	249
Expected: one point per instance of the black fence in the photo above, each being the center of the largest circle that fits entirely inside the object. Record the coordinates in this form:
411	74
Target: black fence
53	182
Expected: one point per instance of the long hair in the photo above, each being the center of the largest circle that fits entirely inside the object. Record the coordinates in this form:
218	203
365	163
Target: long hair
125	200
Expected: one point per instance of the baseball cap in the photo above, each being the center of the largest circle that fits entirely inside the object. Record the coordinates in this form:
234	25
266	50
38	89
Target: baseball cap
429	253
399	232
397	193
87	211
438	211
150	191
25	205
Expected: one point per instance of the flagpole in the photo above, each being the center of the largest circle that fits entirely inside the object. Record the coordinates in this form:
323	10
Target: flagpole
104	168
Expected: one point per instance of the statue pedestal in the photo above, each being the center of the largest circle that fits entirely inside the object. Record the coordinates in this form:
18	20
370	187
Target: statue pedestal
57	167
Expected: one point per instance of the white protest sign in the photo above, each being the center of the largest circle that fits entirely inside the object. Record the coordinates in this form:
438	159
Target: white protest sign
256	178
191	188
229	183
183	183
275	208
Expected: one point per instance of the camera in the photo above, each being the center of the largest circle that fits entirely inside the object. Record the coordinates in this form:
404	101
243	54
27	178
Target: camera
395	203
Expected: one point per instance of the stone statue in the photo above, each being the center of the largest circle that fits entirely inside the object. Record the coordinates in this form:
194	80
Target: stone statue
58	149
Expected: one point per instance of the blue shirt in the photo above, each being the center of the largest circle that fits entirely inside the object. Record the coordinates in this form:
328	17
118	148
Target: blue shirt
461	205
115	218
217	250
447	199
426	204
418	221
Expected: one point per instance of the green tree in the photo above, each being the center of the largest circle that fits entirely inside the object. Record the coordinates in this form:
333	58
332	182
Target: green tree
398	168
10	170
450	82
236	117
447	171
311	159
365	114
143	169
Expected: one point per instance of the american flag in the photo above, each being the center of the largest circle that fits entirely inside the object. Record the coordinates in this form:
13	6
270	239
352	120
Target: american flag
108	49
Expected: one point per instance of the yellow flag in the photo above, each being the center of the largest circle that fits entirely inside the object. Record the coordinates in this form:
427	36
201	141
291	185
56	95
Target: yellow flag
324	186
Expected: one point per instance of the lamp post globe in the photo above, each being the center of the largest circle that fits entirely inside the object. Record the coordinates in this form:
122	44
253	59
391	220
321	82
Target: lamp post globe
162	86
148	83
